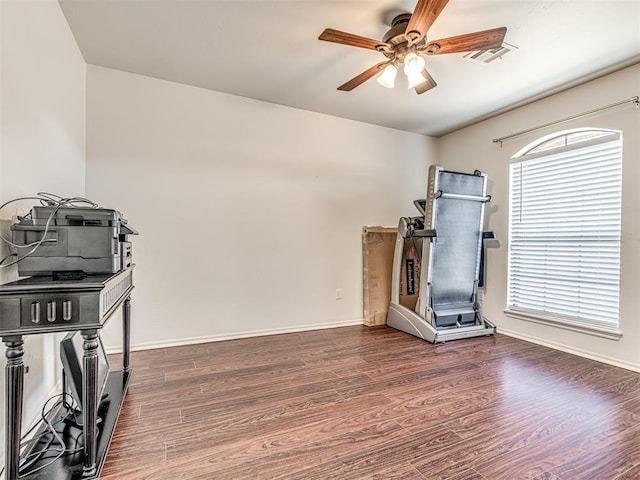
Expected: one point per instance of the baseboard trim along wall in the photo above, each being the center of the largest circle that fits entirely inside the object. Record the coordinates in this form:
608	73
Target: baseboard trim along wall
574	351
234	336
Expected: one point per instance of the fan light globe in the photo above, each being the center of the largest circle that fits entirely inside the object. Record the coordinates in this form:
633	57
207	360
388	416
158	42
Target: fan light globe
388	76
415	79
413	64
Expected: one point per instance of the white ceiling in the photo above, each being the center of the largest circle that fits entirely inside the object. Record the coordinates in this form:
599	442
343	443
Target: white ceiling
269	50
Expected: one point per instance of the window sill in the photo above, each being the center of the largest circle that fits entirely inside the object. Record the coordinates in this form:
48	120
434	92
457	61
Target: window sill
611	334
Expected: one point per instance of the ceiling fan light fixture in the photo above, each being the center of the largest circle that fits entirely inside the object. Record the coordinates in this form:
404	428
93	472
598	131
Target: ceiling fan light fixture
388	76
415	79
406	42
413	64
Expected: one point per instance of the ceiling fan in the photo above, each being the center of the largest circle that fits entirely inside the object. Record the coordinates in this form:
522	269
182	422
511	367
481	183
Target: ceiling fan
406	42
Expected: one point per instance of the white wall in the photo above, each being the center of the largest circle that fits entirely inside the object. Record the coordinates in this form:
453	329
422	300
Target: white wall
472	148
42	131
250	213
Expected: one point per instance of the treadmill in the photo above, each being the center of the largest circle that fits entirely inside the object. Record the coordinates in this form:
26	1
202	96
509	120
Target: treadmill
442	251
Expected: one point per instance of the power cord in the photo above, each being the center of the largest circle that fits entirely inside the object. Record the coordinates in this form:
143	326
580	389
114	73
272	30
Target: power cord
32	458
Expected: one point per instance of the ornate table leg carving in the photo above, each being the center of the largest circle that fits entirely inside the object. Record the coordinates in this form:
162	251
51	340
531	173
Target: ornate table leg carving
14	391
126	335
90	400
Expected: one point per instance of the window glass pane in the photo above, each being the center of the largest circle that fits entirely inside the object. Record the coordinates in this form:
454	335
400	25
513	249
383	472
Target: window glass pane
553	143
583	136
564	139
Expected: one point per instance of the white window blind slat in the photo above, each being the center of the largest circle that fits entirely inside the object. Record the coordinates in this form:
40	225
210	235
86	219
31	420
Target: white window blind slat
564	230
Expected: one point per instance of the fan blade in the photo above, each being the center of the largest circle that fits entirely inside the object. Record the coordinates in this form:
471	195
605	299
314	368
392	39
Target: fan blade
485	40
344	38
423	16
428	84
363	77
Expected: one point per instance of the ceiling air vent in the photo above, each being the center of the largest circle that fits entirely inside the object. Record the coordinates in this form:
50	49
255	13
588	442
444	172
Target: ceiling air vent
488	56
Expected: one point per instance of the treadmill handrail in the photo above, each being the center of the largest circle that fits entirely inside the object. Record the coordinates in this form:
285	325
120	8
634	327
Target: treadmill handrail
459	196
424	233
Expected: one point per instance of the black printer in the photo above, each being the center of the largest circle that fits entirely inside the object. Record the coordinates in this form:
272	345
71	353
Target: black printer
76	239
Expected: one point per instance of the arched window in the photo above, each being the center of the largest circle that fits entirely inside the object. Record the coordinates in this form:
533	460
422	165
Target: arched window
564	229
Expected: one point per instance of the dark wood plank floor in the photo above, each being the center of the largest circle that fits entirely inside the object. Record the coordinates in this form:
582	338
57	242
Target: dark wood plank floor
367	403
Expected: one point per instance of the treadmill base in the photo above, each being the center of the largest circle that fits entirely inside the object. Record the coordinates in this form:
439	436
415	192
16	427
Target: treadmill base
403	319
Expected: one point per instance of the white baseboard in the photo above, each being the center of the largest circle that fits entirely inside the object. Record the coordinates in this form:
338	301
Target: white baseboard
236	335
572	350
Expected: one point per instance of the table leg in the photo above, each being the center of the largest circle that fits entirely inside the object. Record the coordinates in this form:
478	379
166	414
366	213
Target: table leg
126	335
14	392
90	400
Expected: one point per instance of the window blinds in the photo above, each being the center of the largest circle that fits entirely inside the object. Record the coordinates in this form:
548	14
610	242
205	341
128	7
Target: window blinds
564	238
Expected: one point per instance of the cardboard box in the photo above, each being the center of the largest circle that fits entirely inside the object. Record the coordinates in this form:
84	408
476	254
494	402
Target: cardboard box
378	244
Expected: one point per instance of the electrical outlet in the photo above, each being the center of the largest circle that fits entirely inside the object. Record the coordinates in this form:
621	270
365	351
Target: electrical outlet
338	294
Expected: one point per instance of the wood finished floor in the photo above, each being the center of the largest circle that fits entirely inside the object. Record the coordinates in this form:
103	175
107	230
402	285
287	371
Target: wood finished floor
374	403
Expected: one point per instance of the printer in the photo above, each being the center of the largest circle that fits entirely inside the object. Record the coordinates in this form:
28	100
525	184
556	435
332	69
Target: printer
83	240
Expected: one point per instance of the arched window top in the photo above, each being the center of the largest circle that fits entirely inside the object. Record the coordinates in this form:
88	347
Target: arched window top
564	139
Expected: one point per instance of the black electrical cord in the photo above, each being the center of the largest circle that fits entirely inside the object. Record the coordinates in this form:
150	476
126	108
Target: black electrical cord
35	456
24	442
8	256
416	252
32	458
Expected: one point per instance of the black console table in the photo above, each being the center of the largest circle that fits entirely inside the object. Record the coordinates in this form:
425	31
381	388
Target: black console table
38	305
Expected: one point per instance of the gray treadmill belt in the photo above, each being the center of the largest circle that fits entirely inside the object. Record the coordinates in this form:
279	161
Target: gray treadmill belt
456	250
